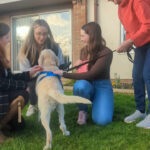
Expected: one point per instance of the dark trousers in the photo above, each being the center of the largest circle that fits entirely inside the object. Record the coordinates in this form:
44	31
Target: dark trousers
32	93
141	76
14	94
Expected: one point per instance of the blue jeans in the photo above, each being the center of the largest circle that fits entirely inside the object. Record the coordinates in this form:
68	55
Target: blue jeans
101	94
141	76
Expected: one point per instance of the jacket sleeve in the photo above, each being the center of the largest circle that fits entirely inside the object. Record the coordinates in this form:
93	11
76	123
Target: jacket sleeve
25	76
97	70
142	8
10	84
25	65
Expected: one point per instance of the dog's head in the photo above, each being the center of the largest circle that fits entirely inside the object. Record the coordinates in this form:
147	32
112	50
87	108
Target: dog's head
47	58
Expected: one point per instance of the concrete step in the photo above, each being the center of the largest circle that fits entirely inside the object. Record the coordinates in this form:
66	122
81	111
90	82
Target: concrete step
127	91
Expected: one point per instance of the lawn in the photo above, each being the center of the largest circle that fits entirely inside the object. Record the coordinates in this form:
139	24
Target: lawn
115	136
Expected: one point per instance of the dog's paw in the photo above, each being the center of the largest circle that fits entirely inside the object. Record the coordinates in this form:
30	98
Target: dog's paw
67	133
46	147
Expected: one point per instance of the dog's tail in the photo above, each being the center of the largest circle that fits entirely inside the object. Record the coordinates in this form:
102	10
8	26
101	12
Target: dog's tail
65	99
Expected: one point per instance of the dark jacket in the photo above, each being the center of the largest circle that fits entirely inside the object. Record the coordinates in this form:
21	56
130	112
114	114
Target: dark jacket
10	82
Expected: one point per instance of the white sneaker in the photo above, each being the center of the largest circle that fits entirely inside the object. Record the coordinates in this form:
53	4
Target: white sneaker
144	123
133	117
31	110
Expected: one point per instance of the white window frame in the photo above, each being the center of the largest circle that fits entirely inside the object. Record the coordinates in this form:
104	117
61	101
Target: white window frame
123	32
38	14
123	37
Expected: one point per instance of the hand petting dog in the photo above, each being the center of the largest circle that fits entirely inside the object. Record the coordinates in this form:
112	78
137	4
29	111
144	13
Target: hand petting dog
34	70
59	72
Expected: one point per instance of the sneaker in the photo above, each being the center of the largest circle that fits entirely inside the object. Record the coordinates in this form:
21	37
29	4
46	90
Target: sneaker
82	117
31	110
144	123
133	117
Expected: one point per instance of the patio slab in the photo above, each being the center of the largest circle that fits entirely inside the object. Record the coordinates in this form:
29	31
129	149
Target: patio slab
126	91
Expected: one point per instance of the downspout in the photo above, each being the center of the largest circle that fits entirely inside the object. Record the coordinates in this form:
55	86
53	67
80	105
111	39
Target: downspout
95	10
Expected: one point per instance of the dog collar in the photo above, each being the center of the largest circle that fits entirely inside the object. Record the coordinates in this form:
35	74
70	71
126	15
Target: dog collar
48	74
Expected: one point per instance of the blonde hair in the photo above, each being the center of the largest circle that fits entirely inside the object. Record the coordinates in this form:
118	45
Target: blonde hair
30	48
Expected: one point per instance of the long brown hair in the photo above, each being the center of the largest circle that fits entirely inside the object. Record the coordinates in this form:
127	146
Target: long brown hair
96	41
30	47
83	54
4	30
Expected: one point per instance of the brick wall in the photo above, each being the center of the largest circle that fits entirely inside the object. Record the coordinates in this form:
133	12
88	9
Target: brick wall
79	17
6	18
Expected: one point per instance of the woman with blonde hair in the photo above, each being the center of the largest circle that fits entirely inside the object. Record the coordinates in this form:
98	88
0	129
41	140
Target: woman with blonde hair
39	37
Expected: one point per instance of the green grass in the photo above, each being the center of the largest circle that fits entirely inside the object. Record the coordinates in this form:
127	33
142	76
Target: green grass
115	136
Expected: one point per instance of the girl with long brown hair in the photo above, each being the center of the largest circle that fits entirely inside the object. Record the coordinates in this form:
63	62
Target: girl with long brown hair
94	84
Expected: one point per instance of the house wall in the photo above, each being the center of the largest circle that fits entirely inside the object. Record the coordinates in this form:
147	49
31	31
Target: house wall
82	13
79	17
111	30
7	17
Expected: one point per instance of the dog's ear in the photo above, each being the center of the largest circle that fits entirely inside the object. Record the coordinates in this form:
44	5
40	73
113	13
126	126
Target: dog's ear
41	59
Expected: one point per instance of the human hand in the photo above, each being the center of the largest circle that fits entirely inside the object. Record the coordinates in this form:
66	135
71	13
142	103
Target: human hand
35	69
60	72
125	46
78	62
27	89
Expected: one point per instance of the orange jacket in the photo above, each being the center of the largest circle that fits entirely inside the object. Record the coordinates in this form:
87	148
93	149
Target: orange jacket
135	17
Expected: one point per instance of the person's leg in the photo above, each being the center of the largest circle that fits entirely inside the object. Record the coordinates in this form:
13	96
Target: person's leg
103	102
84	89
139	85
146	75
138	81
32	93
32	97
15	97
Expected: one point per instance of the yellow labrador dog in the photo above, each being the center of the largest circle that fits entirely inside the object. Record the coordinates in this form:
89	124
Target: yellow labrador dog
51	94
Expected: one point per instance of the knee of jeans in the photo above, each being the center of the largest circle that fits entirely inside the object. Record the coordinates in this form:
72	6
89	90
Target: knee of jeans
80	85
102	120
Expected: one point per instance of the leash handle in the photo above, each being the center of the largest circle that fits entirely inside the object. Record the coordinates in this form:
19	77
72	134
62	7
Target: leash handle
129	55
19	111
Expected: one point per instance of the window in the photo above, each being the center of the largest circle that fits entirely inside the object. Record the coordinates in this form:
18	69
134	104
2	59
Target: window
123	34
60	24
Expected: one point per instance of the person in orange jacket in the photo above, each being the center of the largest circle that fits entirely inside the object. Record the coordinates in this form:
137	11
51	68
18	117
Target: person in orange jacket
135	17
